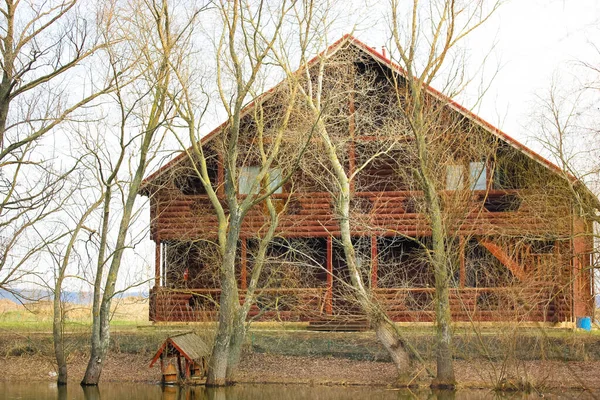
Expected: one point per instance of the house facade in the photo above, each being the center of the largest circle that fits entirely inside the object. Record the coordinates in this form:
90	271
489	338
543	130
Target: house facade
522	244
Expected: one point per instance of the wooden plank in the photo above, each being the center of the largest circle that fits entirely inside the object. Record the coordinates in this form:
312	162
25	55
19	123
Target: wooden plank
244	261
329	294
374	262
504	258
157	263
462	272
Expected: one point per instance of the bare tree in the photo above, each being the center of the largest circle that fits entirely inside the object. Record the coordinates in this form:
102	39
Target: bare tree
420	120
424	44
40	45
258	148
153	40
62	257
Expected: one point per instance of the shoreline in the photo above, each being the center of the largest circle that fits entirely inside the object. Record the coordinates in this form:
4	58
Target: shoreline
257	368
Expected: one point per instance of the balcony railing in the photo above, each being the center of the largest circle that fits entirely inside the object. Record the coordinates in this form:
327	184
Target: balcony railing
401	304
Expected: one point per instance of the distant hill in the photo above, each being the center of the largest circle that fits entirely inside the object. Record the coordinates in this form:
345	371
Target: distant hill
26	296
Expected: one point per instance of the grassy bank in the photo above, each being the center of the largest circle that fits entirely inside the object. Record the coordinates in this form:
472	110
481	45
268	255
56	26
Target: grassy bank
487	344
286	353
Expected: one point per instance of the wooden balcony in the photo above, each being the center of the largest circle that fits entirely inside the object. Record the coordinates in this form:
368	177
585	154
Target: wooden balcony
201	305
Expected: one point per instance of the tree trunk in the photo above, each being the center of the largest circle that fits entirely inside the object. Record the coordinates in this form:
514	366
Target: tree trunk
100	344
93	370
388	337
445	366
235	347
58	337
386	333
95	363
228	311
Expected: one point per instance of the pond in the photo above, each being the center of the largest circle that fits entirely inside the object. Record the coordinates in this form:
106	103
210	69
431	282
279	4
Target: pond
47	391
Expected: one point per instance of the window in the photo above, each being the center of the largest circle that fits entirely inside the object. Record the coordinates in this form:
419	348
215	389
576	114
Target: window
455	177
275	178
477	175
247	180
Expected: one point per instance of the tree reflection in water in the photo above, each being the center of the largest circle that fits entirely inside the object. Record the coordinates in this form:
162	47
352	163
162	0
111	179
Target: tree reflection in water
140	391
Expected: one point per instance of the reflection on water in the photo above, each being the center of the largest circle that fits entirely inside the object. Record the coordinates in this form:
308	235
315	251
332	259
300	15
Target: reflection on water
49	391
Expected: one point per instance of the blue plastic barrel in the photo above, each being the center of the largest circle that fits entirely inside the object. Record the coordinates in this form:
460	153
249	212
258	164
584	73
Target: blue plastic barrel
584	323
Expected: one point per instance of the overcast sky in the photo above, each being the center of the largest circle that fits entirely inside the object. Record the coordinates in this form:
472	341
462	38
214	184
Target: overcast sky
528	42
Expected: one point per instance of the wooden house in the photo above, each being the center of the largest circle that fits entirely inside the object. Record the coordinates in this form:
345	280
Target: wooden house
518	223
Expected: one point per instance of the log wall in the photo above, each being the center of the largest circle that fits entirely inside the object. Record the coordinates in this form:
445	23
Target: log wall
178	217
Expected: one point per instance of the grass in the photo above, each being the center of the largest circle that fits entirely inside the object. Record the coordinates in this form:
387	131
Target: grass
133	333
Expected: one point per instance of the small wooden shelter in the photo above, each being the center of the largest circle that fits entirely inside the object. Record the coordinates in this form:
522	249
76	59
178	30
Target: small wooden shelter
189	351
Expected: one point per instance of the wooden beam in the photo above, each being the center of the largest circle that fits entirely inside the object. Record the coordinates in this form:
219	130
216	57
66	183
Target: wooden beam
374	262
157	263
461	255
504	258
580	264
351	150
244	266
329	293
220	176
164	263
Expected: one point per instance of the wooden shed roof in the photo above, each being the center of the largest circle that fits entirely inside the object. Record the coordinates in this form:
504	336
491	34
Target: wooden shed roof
189	345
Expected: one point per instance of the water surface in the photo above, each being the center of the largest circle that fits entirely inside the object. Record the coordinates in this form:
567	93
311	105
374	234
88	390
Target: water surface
49	391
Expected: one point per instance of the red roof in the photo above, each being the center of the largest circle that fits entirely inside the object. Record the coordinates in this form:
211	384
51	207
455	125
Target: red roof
349	39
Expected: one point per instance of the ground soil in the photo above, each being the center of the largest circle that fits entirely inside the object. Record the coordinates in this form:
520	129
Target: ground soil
266	368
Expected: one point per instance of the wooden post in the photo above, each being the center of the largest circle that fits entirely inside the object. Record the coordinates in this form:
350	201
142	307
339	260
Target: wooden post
220	176
164	263
461	254
374	262
180	370
580	264
157	263
351	150
329	294
244	270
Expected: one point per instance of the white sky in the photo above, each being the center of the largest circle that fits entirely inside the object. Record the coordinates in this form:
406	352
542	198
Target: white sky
528	42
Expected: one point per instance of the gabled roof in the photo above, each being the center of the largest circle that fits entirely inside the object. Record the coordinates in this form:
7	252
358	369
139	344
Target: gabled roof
349	40
189	345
